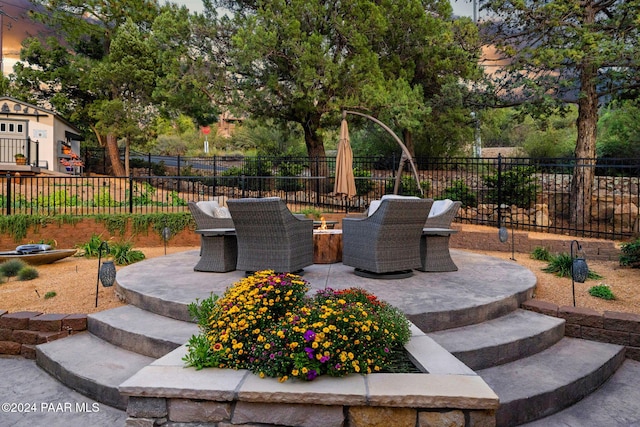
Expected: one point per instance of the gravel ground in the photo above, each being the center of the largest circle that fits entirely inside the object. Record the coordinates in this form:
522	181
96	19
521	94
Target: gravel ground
74	282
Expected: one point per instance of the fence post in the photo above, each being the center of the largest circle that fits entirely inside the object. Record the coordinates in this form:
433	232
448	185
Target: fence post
8	193
499	190
178	165
243	184
27	150
37	143
130	193
317	182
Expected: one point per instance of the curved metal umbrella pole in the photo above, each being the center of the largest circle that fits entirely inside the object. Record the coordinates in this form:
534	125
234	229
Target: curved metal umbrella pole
406	155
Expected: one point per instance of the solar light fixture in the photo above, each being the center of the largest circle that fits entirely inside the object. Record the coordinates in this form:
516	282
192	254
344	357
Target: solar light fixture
503	236
579	268
106	270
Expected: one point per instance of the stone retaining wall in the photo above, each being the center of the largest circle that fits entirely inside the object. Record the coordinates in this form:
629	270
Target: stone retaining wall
20	332
610	327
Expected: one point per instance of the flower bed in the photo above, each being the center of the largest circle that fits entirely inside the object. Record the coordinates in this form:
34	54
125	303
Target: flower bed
267	324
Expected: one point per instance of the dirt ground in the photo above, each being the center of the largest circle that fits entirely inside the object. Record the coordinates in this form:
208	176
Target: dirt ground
74	282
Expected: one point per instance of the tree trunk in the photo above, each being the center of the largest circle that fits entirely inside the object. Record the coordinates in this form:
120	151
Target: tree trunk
585	154
408	142
583	173
114	156
315	150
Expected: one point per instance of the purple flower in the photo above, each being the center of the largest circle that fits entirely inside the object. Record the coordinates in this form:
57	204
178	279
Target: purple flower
309	352
338	366
324	359
309	335
312	374
272	356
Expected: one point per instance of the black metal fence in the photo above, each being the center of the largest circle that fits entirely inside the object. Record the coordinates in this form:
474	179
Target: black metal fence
528	194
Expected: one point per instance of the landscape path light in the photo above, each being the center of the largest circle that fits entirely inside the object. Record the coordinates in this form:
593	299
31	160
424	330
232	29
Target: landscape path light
579	268
106	270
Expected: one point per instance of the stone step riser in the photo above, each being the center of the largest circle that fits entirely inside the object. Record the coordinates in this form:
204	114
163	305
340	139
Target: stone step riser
99	392
525	386
493	356
139	343
171	309
90	366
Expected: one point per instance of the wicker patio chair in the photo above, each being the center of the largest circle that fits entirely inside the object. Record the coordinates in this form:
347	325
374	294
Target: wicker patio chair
208	215
270	237
386	243
442	213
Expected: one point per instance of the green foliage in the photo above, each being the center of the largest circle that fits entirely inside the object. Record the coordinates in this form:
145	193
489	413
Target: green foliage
103	198
12	267
408	186
601	291
174	199
363	185
114	223
141	223
541	254
124	254
459	191
57	198
560	265
3	278
50	294
200	354
28	273
619	130
311	213
91	249
550	143
143	195
287	169
630	254
518	186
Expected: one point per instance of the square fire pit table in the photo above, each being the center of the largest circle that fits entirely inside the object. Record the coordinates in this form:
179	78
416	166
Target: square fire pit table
327	246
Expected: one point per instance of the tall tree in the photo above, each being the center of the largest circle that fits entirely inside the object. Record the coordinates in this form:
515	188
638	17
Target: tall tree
113	70
303	62
558	52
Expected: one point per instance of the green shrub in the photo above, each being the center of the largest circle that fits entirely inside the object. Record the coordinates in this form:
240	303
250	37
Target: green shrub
28	273
363	185
50	294
3	278
541	254
288	171
103	199
91	248
408	186
12	267
518	186
459	191
630	255
124	254
560	265
602	291
57	198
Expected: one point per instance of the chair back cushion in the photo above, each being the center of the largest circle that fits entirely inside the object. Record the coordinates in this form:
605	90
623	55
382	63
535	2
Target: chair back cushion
375	204
207	206
440	206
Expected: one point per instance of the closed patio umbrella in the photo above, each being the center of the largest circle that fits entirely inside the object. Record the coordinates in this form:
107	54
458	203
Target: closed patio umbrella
345	183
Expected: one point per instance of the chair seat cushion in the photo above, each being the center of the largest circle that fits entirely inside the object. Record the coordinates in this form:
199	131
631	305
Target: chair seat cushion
221	212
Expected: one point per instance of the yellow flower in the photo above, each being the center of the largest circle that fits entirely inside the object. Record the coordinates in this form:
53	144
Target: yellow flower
267	346
294	372
283	379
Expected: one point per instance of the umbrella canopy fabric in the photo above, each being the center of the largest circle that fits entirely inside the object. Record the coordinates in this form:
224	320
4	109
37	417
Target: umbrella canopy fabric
345	182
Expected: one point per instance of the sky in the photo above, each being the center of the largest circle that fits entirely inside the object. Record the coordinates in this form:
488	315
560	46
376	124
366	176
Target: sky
460	7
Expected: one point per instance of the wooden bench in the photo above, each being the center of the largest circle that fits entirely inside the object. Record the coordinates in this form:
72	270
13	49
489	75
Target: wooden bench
434	250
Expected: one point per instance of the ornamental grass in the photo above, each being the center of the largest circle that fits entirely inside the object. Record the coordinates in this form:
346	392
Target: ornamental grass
267	324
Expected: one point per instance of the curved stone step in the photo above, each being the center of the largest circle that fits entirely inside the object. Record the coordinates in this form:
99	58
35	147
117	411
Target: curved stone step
137	330
516	335
91	366
552	380
615	404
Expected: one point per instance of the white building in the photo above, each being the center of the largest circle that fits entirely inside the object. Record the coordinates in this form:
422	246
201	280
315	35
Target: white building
48	141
